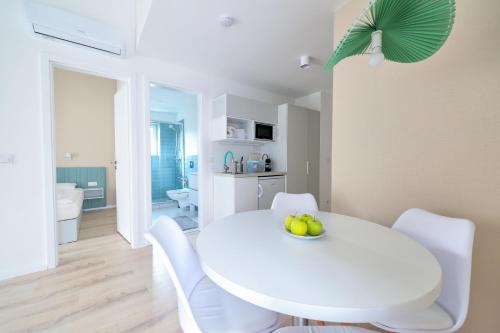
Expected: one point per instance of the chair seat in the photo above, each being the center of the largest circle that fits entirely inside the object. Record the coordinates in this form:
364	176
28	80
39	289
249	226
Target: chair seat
323	329
432	318
216	311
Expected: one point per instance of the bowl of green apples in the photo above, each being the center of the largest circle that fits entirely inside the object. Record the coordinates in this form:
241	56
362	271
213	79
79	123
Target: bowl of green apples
304	226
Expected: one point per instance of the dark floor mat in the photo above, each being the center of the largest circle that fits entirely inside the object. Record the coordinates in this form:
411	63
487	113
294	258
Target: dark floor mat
186	223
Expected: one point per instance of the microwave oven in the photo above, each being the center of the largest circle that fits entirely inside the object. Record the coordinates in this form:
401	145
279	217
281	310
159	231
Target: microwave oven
265	132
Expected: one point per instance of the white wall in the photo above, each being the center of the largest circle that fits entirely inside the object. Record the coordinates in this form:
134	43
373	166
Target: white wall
279	149
142	9
22	243
311	101
172	105
168	117
23	226
322	101
239	150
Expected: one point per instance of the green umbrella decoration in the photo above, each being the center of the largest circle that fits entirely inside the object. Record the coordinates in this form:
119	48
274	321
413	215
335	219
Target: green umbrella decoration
398	30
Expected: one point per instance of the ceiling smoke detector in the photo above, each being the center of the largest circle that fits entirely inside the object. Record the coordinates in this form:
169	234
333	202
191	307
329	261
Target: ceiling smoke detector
305	62
226	20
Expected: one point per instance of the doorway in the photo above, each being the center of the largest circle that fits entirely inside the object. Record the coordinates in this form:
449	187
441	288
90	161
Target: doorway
174	155
91	144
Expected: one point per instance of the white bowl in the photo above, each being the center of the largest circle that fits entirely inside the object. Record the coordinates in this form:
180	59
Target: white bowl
306	236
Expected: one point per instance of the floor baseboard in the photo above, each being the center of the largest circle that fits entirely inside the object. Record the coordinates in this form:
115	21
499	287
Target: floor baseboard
21	271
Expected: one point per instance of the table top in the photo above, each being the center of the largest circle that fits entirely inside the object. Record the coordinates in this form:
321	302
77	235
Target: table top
359	272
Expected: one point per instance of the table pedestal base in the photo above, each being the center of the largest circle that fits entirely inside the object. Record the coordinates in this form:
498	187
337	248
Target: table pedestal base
297	321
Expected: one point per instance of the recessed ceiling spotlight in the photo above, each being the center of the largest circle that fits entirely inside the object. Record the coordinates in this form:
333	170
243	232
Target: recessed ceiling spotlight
305	62
226	20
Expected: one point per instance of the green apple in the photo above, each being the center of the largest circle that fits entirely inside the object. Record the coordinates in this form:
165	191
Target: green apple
298	227
288	222
306	217
314	227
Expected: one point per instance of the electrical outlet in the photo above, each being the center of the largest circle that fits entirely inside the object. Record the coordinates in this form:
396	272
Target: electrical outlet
91	184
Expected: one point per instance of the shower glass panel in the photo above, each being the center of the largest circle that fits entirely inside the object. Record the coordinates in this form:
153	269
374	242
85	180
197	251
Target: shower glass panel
174	155
167	159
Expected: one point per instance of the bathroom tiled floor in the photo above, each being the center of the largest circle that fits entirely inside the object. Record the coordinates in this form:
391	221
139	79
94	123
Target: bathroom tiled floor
171	209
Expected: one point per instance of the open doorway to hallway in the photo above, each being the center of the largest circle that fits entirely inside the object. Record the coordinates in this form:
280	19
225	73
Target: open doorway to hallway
88	122
174	155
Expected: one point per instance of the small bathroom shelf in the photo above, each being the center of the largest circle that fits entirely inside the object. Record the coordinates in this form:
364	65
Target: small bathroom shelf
93	193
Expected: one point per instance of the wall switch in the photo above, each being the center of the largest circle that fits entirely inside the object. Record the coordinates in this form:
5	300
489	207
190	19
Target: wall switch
7	158
90	184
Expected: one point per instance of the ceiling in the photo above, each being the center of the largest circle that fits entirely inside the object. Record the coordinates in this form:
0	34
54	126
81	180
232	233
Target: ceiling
170	100
261	49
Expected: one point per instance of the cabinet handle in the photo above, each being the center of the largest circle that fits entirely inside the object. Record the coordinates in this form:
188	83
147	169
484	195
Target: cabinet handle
260	191
307	167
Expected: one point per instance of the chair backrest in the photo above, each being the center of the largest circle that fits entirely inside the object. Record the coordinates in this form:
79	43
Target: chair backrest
450	240
288	202
181	261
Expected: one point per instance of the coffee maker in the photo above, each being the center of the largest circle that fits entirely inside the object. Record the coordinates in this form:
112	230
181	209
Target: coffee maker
267	161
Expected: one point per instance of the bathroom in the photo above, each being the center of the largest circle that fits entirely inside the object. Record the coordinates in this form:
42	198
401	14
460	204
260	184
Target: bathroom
174	155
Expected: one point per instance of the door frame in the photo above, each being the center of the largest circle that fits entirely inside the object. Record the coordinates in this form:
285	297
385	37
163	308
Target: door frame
47	64
147	151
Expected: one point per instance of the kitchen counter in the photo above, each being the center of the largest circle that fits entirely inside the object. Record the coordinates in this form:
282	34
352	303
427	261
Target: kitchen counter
251	174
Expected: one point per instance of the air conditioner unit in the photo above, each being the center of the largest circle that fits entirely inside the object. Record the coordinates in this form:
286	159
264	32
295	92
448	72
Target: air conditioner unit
63	25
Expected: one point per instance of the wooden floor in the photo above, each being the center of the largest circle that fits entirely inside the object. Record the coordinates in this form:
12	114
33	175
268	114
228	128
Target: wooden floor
97	223
101	285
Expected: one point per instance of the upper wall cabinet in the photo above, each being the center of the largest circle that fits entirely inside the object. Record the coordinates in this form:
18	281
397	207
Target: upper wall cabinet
244	108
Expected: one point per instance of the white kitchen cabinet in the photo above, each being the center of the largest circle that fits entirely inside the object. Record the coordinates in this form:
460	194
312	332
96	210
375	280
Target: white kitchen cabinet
220	128
243	112
234	195
245	108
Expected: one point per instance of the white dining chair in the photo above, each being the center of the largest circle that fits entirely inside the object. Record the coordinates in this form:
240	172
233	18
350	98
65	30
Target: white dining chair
323	329
202	305
288	202
450	240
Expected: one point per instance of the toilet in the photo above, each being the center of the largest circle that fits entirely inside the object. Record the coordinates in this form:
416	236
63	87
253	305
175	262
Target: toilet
181	196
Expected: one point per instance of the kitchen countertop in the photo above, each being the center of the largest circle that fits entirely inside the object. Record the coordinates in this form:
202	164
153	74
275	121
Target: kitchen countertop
251	174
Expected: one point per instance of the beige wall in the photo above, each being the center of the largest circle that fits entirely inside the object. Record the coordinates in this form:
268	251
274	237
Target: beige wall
427	135
84	122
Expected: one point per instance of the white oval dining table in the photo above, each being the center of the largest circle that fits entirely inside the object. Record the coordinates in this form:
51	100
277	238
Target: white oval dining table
359	272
